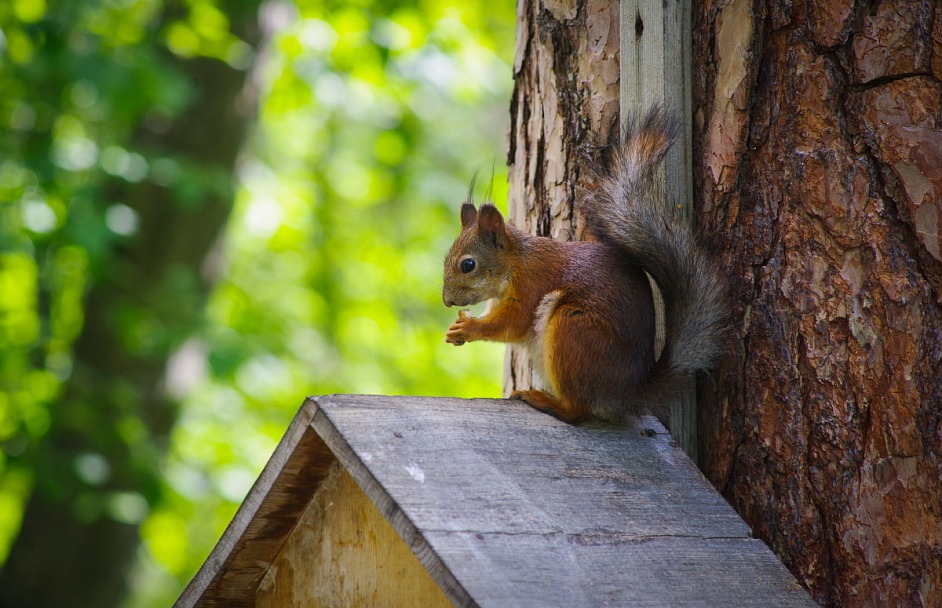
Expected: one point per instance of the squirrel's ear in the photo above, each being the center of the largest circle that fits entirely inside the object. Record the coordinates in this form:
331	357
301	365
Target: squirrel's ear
468	214
491	225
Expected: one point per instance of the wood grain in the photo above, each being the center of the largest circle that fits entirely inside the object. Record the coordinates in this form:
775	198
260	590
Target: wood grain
343	552
502	506
655	69
234	568
506	506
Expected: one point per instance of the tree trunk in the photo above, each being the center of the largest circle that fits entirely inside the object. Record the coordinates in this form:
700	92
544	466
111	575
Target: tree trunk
819	145
77	541
819	129
564	106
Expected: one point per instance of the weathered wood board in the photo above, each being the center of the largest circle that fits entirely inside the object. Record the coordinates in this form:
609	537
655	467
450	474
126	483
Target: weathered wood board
505	506
231	574
655	68
343	552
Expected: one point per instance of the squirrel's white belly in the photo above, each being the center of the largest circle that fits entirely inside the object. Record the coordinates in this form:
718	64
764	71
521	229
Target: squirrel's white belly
535	343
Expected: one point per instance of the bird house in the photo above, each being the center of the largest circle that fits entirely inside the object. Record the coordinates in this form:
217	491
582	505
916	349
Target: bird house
409	501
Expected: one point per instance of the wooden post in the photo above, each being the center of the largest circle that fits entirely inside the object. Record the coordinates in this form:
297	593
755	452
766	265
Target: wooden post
655	68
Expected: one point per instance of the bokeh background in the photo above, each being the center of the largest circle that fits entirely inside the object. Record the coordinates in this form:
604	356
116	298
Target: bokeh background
208	210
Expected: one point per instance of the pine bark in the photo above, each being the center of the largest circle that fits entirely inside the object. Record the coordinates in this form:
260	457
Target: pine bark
819	130
818	148
564	107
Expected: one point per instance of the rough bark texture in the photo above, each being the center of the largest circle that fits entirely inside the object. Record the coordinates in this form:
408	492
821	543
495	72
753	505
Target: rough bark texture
819	130
565	105
819	139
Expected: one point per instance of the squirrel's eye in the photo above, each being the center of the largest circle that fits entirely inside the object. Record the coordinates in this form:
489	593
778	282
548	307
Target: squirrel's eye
467	265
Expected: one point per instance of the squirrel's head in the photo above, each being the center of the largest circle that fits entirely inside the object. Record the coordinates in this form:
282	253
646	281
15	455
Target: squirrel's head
478	267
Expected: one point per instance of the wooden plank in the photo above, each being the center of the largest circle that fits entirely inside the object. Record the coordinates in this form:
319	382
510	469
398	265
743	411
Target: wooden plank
605	571
655	67
343	552
356	464
506	506
234	568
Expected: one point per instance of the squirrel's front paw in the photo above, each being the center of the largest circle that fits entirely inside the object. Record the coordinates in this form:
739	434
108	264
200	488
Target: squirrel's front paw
457	334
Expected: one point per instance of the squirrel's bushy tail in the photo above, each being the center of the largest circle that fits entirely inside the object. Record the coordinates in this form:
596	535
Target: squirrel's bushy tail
628	213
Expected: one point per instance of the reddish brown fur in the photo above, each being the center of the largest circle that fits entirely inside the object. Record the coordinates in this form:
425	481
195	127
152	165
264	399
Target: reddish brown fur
584	310
598	344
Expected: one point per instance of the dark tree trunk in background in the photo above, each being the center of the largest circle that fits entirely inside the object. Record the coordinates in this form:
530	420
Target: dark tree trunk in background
71	549
819	125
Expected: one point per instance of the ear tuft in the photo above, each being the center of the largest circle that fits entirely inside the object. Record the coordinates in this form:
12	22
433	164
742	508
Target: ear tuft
468	214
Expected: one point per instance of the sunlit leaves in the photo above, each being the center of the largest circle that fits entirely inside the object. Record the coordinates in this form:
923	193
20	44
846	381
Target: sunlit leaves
19	326
374	120
375	114
79	80
206	32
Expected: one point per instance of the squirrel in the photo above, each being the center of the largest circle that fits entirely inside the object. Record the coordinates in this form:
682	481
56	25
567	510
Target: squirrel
584	310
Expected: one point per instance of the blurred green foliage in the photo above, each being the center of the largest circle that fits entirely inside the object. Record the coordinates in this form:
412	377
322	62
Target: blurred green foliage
374	114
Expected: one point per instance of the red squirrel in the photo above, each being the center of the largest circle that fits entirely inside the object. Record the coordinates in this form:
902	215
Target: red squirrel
584	310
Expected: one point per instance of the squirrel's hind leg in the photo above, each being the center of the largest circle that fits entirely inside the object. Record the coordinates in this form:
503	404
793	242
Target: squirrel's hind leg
549	404
548	317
